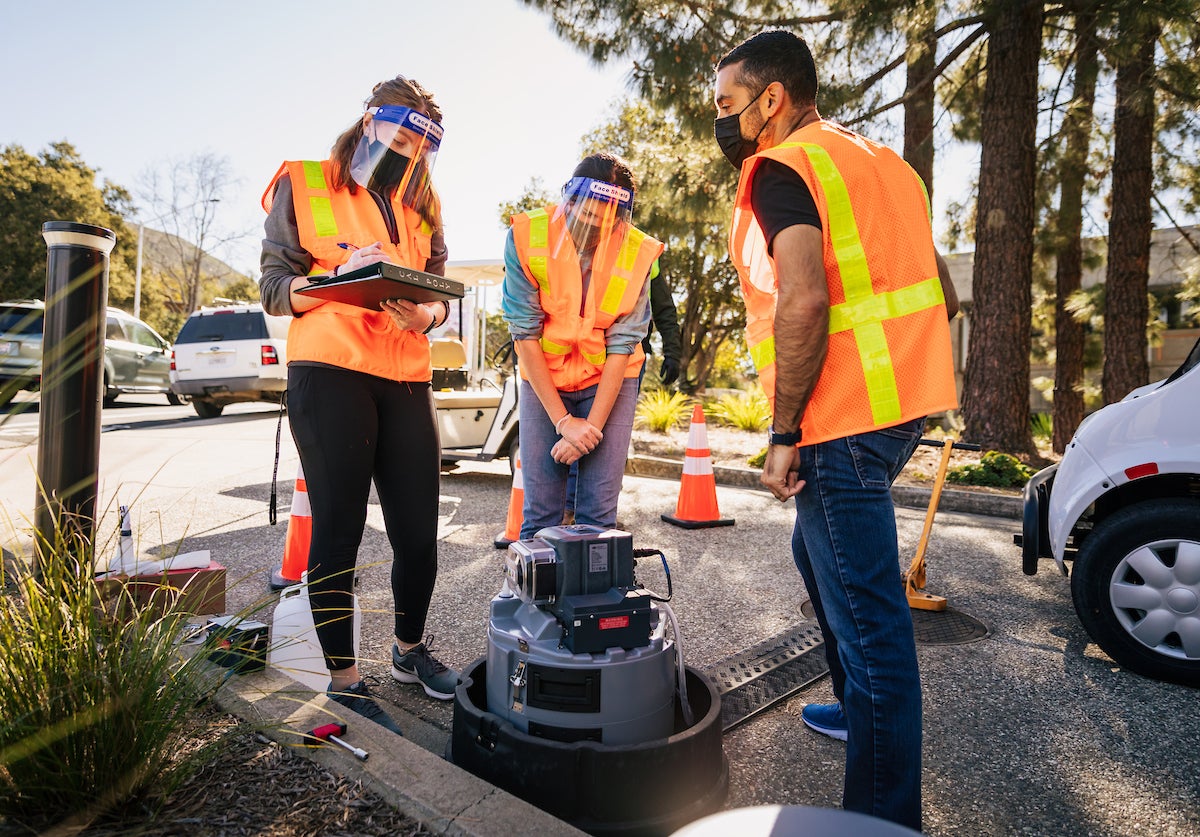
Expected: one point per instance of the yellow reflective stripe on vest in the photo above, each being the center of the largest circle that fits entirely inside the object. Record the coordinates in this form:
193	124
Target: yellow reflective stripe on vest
763	353
539	238
619	281
322	211
878	371
554	348
597	359
613	294
885	306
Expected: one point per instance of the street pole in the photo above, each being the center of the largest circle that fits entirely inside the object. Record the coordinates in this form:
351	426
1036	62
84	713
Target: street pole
72	382
137	279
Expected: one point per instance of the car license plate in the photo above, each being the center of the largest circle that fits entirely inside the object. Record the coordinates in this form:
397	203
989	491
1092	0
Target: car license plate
218	360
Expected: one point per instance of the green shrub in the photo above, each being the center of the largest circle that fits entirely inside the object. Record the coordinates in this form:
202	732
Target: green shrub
661	410
999	470
748	410
1042	426
758	460
94	692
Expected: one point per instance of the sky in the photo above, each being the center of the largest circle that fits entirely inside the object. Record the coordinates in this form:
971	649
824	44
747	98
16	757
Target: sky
135	85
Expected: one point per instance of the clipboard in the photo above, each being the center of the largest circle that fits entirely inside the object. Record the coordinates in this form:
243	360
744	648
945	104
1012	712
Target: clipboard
368	286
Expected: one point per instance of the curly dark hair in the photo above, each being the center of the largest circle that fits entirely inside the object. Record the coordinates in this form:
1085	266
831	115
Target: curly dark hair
776	55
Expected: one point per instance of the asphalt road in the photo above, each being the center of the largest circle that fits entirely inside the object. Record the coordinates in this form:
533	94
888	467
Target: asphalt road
1030	730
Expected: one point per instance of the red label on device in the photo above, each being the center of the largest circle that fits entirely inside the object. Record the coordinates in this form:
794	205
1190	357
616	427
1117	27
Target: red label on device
614	622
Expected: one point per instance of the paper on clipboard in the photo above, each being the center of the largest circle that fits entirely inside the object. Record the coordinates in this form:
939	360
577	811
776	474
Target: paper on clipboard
369	286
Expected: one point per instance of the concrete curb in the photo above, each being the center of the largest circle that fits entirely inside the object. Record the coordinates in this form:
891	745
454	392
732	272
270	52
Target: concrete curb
909	496
443	797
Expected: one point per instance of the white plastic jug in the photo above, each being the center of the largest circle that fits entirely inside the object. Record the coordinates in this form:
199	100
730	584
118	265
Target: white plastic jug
294	648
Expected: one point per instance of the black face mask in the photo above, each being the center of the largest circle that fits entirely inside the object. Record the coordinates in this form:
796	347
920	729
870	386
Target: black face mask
728	132
388	171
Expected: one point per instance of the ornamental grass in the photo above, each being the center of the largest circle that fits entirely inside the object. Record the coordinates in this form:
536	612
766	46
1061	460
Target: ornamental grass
95	691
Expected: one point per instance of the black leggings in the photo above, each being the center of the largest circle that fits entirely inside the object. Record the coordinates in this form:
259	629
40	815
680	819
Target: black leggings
351	427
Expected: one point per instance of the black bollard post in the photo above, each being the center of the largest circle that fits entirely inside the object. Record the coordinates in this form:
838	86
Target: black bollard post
72	378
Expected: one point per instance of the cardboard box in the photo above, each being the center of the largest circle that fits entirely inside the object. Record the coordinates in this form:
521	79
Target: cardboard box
197	591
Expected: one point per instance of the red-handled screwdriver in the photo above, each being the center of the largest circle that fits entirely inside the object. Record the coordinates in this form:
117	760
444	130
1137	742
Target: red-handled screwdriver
330	732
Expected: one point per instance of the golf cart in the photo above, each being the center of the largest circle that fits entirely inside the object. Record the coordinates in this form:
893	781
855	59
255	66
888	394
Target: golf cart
1124	505
477	421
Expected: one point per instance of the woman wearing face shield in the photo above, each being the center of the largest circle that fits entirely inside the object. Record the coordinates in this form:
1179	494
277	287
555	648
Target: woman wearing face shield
359	399
576	300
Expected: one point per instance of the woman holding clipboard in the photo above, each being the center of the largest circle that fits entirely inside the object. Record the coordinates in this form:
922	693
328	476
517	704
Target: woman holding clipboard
359	399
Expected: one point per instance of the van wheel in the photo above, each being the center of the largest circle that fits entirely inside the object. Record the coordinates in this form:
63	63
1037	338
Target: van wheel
1136	586
174	400
207	409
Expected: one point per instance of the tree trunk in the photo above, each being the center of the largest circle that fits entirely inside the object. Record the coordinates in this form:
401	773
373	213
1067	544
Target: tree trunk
996	383
918	103
1128	278
1068	331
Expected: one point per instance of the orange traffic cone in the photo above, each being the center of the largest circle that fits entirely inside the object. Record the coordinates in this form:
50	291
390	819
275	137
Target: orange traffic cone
299	536
697	506
516	511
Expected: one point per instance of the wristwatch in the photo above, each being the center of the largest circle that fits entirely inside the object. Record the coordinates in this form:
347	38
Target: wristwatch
774	438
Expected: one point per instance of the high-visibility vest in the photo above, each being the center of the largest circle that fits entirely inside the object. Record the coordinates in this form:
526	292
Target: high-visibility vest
889	356
574	327
346	335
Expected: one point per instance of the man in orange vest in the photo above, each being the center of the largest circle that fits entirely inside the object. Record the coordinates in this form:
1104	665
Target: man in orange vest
847	303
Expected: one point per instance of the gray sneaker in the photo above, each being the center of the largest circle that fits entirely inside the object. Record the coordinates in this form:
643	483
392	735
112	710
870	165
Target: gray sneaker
357	698
420	666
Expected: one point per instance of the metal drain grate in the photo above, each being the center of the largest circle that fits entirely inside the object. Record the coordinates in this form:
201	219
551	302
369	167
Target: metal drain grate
946	627
759	677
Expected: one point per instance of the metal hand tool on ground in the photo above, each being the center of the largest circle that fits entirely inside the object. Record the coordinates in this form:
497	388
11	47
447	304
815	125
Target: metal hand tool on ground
914	579
330	732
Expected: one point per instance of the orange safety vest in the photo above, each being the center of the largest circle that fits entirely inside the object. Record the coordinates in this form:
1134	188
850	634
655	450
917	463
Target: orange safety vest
573	330
889	357
346	335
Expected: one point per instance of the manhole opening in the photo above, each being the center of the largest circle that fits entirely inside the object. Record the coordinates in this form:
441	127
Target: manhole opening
946	627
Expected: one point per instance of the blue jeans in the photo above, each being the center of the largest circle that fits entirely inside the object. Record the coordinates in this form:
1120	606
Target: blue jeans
573	475
600	472
846	550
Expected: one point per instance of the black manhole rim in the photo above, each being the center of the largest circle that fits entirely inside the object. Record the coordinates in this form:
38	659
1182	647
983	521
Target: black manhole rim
946	627
934	627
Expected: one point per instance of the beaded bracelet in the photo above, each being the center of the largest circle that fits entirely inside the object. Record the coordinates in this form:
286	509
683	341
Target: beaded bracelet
560	421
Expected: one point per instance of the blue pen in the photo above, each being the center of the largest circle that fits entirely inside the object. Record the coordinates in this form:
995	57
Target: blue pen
346	246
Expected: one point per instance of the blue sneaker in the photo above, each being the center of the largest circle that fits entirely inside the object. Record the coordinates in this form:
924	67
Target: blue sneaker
357	698
420	666
825	718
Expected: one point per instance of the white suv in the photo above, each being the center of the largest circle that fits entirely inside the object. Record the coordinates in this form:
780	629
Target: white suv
228	354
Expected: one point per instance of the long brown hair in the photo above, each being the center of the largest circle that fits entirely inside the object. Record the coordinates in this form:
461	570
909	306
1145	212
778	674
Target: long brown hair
397	91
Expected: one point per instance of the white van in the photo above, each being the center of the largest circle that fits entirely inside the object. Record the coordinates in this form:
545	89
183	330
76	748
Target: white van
1124	504
228	354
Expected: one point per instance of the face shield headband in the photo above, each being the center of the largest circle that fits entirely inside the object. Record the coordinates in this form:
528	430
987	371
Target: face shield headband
595	215
396	153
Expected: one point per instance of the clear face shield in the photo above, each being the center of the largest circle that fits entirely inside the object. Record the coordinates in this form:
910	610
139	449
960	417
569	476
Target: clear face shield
396	153
595	216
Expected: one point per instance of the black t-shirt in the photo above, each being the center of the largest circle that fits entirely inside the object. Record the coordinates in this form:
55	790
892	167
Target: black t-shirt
780	199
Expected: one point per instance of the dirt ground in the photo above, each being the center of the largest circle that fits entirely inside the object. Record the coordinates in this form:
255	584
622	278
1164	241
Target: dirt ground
246	787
